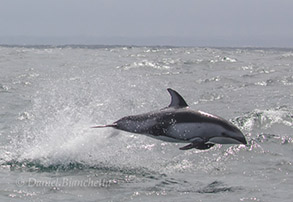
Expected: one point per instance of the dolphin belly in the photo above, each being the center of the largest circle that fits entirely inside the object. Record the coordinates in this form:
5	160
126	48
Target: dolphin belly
167	138
189	131
224	140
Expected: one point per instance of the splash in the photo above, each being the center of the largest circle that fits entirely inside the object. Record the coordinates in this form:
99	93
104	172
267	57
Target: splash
266	119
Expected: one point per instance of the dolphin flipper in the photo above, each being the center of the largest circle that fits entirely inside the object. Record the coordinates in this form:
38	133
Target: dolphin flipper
189	146
197	143
176	99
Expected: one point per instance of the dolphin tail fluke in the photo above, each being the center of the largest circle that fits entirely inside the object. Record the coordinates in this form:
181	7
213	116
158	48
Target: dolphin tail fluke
106	126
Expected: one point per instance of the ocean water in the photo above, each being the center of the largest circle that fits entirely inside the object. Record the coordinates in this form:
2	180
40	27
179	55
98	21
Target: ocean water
51	96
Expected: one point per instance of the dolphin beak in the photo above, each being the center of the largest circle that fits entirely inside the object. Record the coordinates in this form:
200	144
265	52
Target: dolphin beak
239	136
242	139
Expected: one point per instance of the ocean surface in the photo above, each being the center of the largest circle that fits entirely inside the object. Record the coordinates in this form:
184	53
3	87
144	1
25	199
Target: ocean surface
51	96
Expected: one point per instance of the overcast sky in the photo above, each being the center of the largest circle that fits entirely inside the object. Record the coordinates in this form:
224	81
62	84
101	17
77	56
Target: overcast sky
148	22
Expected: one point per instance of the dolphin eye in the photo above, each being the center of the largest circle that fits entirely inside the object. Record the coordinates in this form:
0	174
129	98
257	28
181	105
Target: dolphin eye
224	134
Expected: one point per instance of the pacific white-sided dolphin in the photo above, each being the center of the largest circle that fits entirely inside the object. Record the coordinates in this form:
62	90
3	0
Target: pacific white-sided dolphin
178	123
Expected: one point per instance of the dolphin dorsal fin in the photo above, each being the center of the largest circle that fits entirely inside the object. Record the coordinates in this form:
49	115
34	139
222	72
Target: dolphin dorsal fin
176	99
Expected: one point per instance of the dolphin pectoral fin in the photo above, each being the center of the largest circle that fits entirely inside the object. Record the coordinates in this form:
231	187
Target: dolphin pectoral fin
197	143
189	146
176	99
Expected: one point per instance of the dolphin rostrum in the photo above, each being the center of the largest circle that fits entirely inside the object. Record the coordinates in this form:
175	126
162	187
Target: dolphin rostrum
178	123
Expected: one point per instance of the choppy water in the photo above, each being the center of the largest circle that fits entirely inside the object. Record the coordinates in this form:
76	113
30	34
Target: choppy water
50	96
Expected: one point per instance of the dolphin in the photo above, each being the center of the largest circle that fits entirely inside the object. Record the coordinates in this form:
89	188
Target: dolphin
178	123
